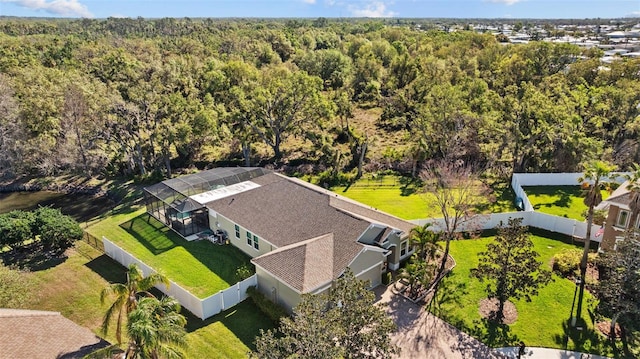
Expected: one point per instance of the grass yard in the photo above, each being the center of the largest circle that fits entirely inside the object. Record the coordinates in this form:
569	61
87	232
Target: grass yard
562	201
405	199
73	288
198	266
541	323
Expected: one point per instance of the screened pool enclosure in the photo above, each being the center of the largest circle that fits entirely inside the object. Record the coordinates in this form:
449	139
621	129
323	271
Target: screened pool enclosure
172	203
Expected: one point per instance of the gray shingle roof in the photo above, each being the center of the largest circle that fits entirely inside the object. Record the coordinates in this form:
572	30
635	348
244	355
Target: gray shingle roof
283	212
309	264
314	230
40	334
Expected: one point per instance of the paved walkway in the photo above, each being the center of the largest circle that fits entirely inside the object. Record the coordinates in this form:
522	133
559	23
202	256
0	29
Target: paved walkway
546	353
420	334
423	335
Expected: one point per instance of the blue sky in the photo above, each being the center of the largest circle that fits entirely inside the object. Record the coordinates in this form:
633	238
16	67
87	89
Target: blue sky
323	8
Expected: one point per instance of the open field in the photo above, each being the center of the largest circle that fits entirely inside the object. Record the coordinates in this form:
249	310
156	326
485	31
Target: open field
198	266
73	288
406	199
562	201
541	322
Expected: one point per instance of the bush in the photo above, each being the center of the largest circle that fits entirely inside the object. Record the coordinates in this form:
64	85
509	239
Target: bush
243	272
567	262
386	278
271	309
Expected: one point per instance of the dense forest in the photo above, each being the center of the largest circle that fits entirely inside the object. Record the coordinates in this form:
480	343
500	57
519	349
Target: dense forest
136	97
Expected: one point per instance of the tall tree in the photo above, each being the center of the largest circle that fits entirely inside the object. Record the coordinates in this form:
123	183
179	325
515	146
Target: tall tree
634	187
10	129
56	230
456	190
126	296
156	329
596	175
284	103
511	267
618	288
343	323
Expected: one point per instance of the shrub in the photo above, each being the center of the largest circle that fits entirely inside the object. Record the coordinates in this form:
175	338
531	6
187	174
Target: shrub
243	272
271	309
386	278
567	262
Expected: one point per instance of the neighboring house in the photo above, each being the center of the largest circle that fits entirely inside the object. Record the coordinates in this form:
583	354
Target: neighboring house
40	334
618	217
301	237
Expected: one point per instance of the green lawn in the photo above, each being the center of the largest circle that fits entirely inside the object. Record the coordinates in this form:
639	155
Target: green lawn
406	199
73	288
541	323
562	201
200	267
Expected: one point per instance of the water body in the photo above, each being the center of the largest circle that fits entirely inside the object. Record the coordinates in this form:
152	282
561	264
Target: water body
81	207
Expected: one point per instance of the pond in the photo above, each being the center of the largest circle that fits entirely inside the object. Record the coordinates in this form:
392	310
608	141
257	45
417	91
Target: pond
82	207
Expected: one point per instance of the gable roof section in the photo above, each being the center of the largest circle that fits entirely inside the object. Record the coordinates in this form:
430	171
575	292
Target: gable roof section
621	197
304	266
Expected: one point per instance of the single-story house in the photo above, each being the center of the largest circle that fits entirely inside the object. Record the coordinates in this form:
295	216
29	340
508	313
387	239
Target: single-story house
618	217
300	236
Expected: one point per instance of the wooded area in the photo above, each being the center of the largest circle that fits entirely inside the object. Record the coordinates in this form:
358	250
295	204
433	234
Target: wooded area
139	97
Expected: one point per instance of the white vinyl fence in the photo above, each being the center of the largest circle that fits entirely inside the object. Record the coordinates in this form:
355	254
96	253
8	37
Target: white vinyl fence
570	227
201	308
547	179
531	218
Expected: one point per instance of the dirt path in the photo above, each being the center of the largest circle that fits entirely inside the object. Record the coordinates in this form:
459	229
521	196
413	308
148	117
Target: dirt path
423	335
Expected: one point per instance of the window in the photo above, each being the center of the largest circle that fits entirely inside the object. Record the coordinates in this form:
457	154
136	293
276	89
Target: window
249	241
255	242
403	249
237	231
623	218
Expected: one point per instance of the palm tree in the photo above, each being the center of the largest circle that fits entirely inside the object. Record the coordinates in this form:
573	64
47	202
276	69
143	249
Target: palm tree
425	241
634	187
596	175
156	329
126	296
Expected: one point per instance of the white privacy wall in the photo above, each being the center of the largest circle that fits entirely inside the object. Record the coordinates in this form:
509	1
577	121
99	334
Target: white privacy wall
531	218
201	308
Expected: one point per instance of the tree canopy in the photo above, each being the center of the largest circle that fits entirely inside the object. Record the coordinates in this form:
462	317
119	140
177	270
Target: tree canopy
136	97
343	323
510	266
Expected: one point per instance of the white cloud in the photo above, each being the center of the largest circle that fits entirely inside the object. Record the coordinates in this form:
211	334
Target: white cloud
634	14
372	9
71	8
506	2
309	1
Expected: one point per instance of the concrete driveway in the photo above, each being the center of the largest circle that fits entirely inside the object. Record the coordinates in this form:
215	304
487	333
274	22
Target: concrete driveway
423	335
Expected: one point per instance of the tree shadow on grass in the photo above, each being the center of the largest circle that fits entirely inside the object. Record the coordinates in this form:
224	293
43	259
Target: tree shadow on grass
244	320
565	198
108	269
223	260
589	340
492	333
151	233
33	257
409	186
